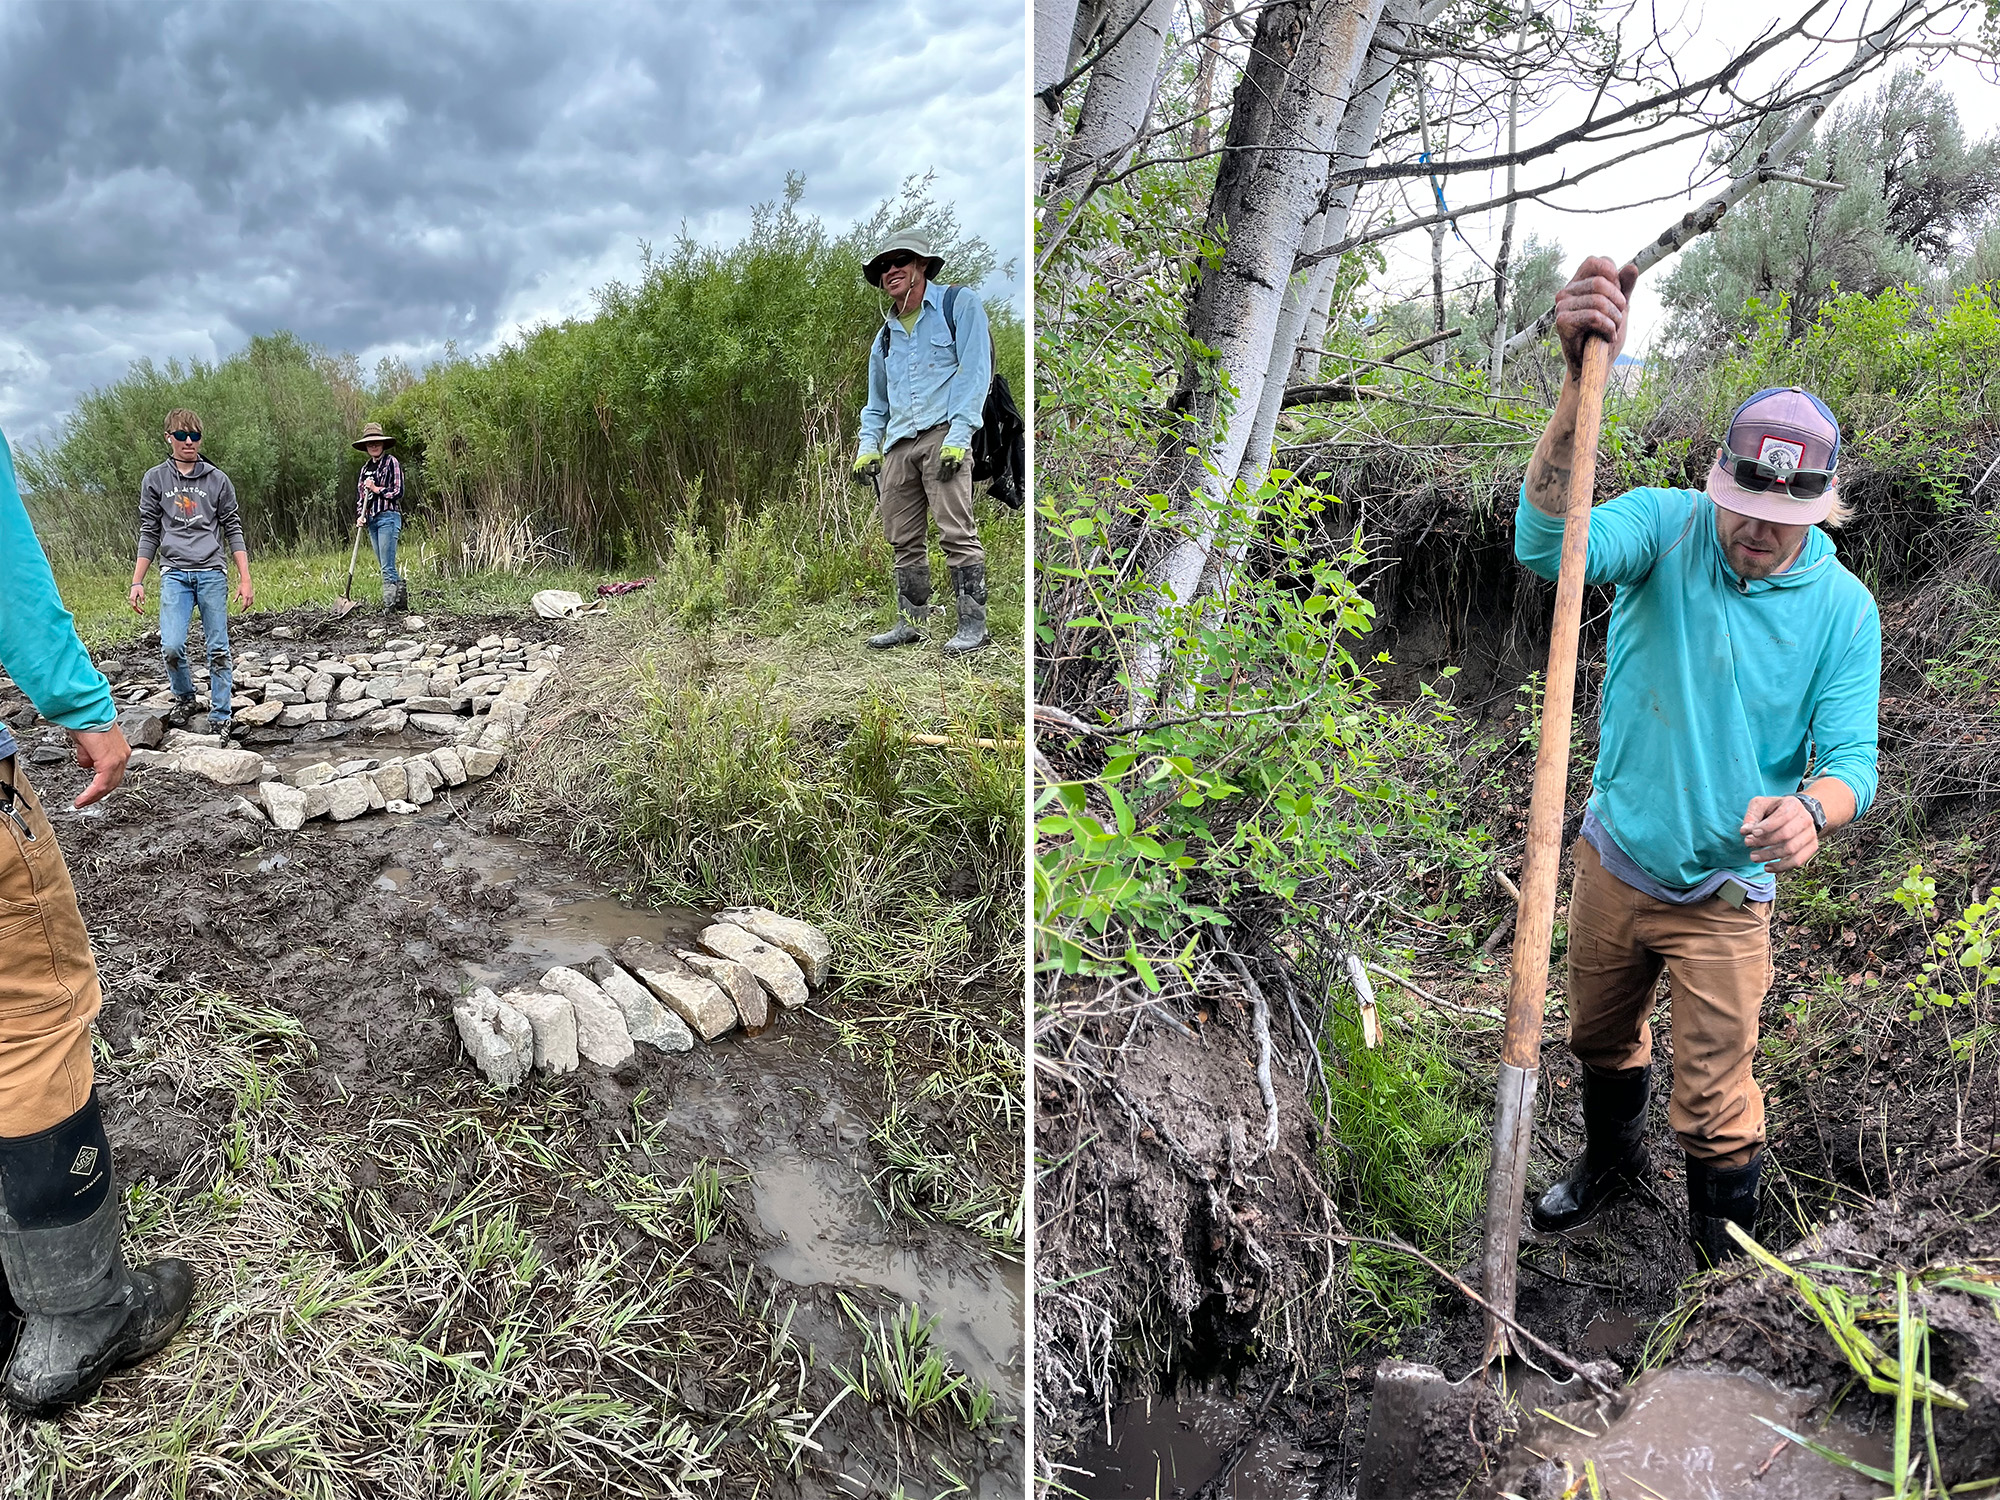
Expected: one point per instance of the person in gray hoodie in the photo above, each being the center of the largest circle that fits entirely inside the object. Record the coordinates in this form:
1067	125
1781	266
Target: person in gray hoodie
187	514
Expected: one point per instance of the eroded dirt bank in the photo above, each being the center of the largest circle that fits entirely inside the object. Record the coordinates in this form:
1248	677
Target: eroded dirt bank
277	1029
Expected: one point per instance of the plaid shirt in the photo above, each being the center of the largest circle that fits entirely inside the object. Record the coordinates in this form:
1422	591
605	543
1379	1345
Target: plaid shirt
388	475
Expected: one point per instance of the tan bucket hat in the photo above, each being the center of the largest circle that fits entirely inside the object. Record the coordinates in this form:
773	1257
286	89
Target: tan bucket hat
373	433
910	240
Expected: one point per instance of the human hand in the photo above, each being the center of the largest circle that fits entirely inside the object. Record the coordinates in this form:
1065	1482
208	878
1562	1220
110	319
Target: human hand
244	593
868	466
105	752
949	461
1594	305
1780	833
138	598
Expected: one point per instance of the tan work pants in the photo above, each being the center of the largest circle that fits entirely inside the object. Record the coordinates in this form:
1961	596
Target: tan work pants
912	495
48	977
1718	963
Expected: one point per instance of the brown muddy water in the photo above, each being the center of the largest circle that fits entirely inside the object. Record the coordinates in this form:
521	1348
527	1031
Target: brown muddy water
1165	1446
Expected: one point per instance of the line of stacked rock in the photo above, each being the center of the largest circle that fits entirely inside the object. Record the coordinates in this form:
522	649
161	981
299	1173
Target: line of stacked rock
642	993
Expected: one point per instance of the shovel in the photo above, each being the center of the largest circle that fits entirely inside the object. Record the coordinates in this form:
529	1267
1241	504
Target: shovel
1409	1398
348	603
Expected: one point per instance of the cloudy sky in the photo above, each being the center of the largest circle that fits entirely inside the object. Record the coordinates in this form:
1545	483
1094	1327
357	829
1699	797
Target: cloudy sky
383	178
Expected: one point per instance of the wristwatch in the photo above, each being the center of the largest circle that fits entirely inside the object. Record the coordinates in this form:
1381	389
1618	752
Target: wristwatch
1813	807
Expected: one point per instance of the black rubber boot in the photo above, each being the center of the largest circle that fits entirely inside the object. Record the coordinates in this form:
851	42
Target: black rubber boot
1716	1197
913	603
85	1313
969	584
1614	1153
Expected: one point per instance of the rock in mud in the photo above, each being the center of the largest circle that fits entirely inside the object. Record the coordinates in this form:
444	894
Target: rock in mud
773	967
226	767
642	1022
319	688
438	723
752	1003
263	713
663	1028
143	727
296	714
498	1037
809	947
348	691
348	797
554	1021
243	807
447	761
394	780
389	721
420	790
697	1001
479	762
318	800
427	704
319	773
601	1034
157	759
398	806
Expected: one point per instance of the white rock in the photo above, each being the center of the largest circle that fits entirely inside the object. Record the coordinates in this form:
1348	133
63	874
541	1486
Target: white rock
809	947
389	721
296	714
286	805
320	688
645	1017
243	807
498	1037
437	724
349	797
159	760
354	709
338	670
355	766
394	779
413	622
487	642
348	689
396	805
554	1023
427	703
319	773
366	780
260	714
382	688
447	760
180	739
318	799
228	767
279	692
735	981
697	1001
411	685
485	683
601	1033
420	789
479	762
773	967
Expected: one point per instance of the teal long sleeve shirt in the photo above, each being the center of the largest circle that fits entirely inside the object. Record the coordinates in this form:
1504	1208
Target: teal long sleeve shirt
38	641
1716	689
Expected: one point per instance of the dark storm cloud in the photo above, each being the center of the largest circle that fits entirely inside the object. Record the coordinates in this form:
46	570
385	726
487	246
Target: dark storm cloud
387	178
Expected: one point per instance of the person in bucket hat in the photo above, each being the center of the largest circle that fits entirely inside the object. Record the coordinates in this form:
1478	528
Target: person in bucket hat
1737	728
378	505
928	372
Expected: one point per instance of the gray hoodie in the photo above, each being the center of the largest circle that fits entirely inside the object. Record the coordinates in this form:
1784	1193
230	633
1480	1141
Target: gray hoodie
186	518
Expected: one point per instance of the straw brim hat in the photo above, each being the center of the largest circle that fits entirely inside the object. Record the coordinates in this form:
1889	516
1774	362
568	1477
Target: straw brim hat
916	244
373	433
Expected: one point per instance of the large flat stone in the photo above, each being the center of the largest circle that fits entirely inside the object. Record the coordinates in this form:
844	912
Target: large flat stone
447	761
645	1021
809	947
752	1001
410	685
554	1023
699	1002
437	724
389	721
497	1037
479	762
302	713
394	780
319	688
226	767
774	968
285	805
428	703
260	714
601	1032
348	690
317	774
667	1031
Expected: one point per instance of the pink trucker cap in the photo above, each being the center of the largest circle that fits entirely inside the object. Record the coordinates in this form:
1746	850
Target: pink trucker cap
1788	428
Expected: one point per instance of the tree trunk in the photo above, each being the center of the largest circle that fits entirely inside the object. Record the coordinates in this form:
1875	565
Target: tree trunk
1507	224
1055	27
1437	229
1120	94
1281	27
1204	73
1235	308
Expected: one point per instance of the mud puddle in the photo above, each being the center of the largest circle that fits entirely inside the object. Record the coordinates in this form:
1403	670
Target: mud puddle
1174	1445
826	1230
1695	1435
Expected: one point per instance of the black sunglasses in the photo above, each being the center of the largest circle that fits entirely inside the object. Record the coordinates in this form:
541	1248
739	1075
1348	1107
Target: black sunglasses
186	437
1756	476
900	259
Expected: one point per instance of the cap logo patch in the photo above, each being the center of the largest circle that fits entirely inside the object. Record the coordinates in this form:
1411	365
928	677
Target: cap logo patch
85	1163
1781	455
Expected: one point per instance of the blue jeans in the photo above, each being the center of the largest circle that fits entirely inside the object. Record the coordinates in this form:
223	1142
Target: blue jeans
382	533
182	590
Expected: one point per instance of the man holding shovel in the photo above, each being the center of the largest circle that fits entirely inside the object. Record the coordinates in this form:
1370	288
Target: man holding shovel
928	372
1737	729
84	1311
378	506
187	515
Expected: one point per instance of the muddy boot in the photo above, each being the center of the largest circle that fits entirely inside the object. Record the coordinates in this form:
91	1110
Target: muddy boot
1716	1196
184	712
969	584
913	601
1614	1153
402	589
85	1312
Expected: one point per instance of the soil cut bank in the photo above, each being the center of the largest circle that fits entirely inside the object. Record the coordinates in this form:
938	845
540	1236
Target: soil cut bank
671	1278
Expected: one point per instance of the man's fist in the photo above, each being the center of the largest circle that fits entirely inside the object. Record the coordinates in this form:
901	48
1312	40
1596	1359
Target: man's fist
1593	305
138	598
1780	833
868	466
949	461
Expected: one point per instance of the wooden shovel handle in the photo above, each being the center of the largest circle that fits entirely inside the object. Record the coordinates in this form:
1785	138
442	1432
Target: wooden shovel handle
1529	978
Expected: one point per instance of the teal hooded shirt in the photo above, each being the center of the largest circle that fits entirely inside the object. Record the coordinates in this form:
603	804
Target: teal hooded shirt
1716	689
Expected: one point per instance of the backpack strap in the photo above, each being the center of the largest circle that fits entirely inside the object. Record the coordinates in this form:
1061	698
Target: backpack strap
950	313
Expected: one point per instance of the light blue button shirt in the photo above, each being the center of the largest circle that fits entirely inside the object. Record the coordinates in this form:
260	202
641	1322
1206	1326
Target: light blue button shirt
926	379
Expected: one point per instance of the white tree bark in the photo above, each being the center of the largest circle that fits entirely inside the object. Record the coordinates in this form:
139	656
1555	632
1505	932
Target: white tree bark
1120	93
1236	308
1055	27
1499	355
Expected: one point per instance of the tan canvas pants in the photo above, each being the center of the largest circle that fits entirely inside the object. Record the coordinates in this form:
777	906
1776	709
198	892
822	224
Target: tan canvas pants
912	495
1718	963
48	977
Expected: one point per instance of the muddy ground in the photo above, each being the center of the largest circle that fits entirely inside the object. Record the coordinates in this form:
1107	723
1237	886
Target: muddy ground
365	932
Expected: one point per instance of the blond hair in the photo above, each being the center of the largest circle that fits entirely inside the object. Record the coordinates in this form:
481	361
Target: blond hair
1839	515
180	419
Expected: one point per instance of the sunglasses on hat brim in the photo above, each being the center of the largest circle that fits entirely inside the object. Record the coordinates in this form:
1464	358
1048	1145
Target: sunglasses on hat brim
1757	476
182	436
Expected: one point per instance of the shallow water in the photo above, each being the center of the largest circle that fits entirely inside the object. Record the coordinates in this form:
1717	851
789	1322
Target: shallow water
1169	1446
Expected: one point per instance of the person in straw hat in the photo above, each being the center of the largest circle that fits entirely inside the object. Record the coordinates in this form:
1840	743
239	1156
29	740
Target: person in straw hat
378	505
928	371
